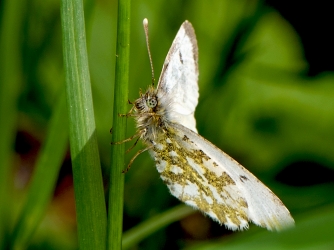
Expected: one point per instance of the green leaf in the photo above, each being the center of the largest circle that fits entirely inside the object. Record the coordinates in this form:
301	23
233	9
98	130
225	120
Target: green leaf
44	179
88	185
10	80
148	227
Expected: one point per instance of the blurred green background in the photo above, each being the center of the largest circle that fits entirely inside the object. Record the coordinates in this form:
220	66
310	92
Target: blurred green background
260	101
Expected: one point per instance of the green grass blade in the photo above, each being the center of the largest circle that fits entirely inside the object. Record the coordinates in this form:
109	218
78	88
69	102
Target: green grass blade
146	228
88	185
116	189
10	80
44	179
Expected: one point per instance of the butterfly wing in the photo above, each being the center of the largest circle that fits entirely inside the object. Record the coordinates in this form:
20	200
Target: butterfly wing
203	176
178	87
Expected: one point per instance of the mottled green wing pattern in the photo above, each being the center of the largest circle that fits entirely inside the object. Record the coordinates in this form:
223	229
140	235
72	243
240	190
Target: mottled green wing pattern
194	178
204	177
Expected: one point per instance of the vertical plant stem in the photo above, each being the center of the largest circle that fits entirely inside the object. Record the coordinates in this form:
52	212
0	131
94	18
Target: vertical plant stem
116	189
87	176
10	80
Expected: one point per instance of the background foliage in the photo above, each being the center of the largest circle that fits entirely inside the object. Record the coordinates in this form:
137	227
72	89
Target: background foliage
258	102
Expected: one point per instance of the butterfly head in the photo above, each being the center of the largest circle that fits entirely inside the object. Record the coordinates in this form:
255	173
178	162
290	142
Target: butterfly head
150	115
148	102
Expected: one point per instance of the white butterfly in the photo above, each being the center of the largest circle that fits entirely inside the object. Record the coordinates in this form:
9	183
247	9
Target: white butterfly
195	171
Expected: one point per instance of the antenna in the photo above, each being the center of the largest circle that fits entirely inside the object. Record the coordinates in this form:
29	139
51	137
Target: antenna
145	24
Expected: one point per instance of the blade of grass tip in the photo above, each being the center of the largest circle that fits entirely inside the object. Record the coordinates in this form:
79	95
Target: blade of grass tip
10	81
146	228
87	176
116	188
44	178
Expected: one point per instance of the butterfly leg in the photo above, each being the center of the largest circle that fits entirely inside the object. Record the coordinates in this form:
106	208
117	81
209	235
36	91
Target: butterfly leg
127	151
134	157
127	114
130	113
126	140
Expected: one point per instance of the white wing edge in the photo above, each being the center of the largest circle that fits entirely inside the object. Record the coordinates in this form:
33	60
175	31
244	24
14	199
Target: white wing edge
178	97
265	208
187	27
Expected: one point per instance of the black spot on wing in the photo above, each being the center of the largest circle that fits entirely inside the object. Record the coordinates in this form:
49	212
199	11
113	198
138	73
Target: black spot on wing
243	178
185	138
180	55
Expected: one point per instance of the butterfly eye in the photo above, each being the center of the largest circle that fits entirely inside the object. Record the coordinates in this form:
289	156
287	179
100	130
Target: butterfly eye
151	102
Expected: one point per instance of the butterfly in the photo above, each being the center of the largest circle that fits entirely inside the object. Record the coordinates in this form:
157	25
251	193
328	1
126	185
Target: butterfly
196	171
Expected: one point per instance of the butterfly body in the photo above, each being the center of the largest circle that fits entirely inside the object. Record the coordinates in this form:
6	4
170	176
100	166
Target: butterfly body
195	171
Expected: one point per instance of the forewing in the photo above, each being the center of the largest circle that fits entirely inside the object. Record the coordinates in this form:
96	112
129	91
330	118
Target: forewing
203	176
178	83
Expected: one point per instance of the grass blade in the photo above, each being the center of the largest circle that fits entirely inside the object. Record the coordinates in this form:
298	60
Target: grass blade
116	189
44	179
146	228
10	80
88	186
